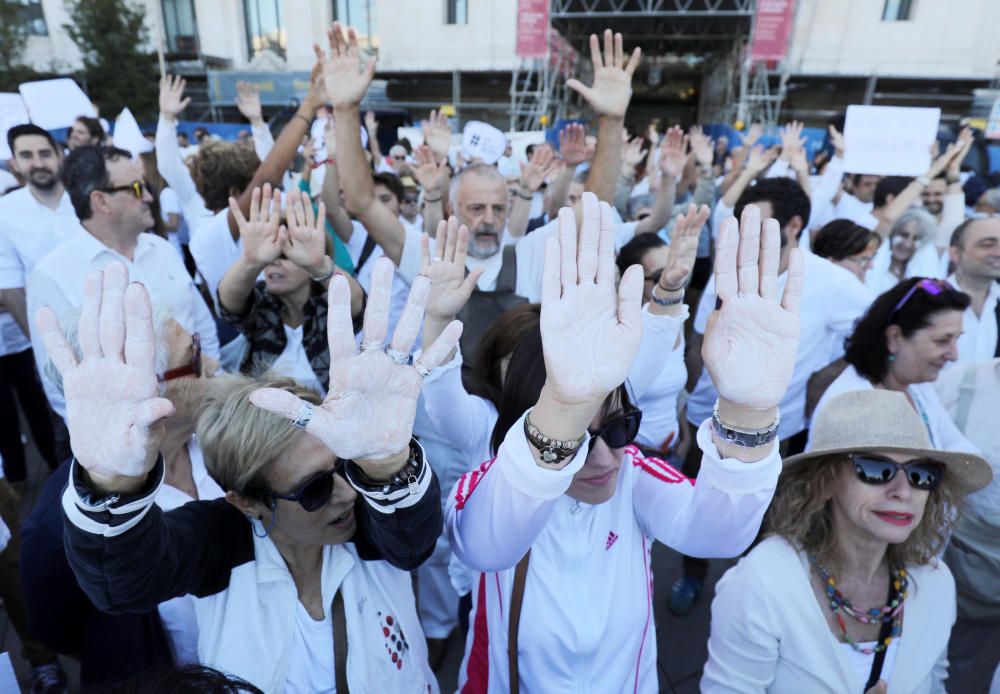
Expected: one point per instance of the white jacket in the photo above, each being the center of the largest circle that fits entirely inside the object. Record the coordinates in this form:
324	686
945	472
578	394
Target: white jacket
769	633
587	617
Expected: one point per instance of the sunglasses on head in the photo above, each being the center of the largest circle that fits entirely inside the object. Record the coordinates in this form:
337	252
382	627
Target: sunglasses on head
922	474
137	188
192	368
315	492
617	432
931	286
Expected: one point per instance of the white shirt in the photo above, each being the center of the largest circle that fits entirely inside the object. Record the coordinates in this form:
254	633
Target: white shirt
7	180
861	663
171	204
311	667
214	250
28	230
170	164
849	207
416	225
177	614
294	363
832	300
926	262
978	341
400	283
57	282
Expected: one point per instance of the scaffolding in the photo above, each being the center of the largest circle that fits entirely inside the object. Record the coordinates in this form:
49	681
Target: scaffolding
538	93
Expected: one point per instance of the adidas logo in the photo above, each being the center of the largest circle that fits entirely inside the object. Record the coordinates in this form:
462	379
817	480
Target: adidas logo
612	538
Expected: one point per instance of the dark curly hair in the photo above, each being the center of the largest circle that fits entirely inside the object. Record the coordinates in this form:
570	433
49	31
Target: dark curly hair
220	168
866	349
841	239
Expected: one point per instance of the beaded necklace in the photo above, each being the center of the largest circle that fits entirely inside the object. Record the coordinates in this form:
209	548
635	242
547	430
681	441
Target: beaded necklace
889	613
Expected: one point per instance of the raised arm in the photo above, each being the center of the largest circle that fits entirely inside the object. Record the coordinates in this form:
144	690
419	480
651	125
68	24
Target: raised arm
248	103
330	194
433	177
168	152
262	241
371	126
609	97
909	195
757	162
534	173
793	151
346	84
574	150
673	155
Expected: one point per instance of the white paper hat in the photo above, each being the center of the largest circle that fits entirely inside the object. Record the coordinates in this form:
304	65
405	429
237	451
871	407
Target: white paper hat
128	135
484	141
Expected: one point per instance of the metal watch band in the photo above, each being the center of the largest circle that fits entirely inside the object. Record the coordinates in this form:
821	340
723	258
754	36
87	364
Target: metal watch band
553	451
745	438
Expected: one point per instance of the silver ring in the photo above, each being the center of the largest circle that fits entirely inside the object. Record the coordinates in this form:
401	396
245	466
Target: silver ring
421	369
371	346
305	415
401	358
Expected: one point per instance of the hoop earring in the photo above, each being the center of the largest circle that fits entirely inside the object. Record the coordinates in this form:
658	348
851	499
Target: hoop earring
260	520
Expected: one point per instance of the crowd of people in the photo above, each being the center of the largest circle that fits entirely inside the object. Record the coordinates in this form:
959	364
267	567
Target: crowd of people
308	409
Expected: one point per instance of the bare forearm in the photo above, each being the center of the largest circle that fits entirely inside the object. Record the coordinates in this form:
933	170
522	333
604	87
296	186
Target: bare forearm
663	205
901	203
337	215
236	286
520	213
604	170
734	192
433	214
16	304
559	191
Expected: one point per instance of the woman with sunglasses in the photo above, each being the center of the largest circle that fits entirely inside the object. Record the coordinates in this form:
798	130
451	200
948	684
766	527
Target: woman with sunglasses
846	593
560	524
301	573
283	316
904	340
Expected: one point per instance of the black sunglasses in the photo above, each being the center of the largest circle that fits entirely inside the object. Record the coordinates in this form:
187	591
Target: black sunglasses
618	432
922	474
315	492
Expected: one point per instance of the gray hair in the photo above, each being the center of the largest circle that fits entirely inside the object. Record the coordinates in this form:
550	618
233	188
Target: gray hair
70	324
924	222
481	170
991	197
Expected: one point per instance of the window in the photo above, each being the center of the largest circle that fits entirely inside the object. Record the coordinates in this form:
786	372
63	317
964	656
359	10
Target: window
897	10
264	29
30	16
458	12
359	15
179	26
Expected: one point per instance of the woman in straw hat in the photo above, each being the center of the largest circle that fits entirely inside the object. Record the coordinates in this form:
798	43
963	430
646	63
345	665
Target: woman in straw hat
845	593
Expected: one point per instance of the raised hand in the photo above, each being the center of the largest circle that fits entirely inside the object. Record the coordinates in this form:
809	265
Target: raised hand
701	145
450	286
751	340
837	140
437	134
172	99
590	329
431	174
611	91
754	133
304	239
248	102
372	401
683	248
791	138
261	234
573	145
942	161
113	409
371	125
761	158
673	152
542	165
964	142
633	153
345	78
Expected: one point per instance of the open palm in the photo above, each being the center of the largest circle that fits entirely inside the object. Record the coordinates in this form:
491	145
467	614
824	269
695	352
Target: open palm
345	79
683	248
305	241
261	234
611	91
113	410
751	341
451	285
590	330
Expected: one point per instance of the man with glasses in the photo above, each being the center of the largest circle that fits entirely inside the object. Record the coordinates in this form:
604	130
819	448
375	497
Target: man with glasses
112	202
409	206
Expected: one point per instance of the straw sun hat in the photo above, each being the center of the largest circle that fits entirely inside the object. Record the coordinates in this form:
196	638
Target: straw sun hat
883	421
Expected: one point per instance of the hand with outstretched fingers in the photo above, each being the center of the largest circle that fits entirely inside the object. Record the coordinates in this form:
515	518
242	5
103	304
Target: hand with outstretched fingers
611	91
673	152
431	174
573	145
371	125
633	153
261	234
543	164
372	400
248	102
451	287
701	145
751	340
590	328
437	134
683	248
172	99
304	238
114	411
345	78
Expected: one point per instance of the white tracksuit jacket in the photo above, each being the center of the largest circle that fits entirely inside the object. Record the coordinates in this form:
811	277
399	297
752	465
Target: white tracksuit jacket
587	617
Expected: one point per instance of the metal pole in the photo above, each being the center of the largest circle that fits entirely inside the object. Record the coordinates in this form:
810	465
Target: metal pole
456	95
159	41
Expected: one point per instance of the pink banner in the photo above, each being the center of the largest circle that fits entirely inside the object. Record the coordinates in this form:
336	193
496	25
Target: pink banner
532	28
771	30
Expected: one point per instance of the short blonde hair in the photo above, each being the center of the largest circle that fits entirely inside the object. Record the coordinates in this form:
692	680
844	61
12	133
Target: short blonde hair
239	439
801	513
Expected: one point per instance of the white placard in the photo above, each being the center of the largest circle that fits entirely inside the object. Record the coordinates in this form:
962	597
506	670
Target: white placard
889	140
128	135
483	141
12	112
54	104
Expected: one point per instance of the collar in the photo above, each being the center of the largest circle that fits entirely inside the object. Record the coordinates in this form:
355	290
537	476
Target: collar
993	293
91	247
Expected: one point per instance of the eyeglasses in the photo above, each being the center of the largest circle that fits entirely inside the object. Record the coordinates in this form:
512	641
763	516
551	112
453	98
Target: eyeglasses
191	369
618	432
654	276
315	492
922	474
138	188
931	286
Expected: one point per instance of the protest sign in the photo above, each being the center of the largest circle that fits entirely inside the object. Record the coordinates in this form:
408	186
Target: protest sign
54	104
12	112
483	141
128	135
889	140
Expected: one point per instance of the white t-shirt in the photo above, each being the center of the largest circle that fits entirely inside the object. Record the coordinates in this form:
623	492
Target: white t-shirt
294	362
171	204
926	262
400	284
311	667
832	301
659	403
849	207
214	250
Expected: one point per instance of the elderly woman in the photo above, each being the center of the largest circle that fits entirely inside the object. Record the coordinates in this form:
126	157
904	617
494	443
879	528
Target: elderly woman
906	337
301	573
561	522
183	373
848	245
846	593
908	252
283	316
